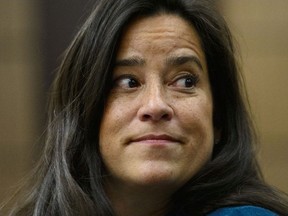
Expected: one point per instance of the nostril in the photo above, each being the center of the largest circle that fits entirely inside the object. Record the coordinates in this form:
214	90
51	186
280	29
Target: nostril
146	117
155	109
166	116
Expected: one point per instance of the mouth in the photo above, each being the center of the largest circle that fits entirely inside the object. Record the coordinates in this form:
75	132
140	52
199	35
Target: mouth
152	139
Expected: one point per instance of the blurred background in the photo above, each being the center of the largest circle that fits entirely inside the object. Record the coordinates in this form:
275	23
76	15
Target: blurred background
34	35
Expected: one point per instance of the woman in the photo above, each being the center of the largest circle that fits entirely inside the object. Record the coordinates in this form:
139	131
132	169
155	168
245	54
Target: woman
147	118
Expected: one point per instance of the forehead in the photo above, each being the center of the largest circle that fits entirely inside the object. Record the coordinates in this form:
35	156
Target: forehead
163	30
159	22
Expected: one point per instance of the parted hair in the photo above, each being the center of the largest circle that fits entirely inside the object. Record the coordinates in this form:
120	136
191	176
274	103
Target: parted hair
68	180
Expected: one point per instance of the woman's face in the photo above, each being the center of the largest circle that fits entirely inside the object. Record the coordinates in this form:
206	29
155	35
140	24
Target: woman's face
157	126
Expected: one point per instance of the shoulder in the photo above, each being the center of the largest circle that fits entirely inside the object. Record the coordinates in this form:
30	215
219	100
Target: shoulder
241	211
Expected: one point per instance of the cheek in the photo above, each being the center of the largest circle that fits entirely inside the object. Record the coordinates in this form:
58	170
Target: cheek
115	119
107	141
196	120
112	117
107	127
198	124
196	114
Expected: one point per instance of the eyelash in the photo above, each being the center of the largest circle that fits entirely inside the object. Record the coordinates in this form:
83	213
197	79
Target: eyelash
134	84
193	80
130	82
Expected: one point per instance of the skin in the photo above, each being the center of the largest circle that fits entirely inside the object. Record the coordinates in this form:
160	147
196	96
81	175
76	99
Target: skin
157	129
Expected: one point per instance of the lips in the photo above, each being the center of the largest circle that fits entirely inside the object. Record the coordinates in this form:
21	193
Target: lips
155	139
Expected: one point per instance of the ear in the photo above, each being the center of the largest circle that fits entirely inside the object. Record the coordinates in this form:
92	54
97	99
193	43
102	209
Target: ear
217	135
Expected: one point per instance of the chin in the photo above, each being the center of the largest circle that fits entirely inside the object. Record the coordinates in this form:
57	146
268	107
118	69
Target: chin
158	176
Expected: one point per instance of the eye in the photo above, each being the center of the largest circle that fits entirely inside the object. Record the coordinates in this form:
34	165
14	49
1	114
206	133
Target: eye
126	82
186	81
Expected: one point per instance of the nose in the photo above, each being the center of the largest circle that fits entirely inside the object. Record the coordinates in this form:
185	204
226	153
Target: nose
154	106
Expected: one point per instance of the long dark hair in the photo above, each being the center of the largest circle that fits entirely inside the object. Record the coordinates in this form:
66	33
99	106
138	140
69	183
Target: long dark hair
69	178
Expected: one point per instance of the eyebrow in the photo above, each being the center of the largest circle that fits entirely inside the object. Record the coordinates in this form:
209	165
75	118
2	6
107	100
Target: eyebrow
171	61
180	60
132	61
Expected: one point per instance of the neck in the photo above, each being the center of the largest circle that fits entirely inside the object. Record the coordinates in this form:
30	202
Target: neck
138	201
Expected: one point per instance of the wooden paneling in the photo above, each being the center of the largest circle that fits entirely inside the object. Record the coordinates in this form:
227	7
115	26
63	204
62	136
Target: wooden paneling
261	29
19	90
